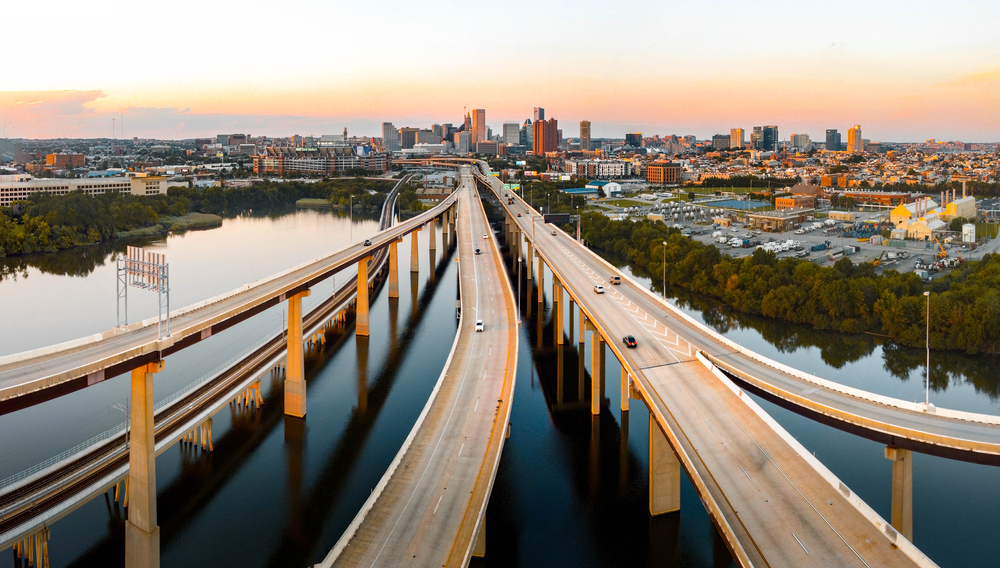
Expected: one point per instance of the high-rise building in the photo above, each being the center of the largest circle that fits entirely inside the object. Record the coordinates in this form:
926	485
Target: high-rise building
854	141
801	141
427	137
757	138
585	135
463	142
407	137
468	122
770	139
436	129
539	114
478	125
390	137
546	136
736	138
527	134
633	139
721	141
832	140
511	133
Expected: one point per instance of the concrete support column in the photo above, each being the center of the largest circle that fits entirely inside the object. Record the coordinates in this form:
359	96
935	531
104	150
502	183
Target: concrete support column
142	535
902	490
295	376
394	270
361	319
625	389
557	315
414	252
596	371
479	550
583	325
433	234
664	473
530	251
541	281
444	232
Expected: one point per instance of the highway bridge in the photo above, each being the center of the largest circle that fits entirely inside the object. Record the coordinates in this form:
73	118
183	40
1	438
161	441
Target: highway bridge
773	503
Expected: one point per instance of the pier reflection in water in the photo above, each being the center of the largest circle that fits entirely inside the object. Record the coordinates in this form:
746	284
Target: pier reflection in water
572	490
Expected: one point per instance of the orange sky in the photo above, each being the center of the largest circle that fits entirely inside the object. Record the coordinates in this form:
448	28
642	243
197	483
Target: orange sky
905	71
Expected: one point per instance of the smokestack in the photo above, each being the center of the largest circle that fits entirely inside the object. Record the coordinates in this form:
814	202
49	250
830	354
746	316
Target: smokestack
953	193
963	189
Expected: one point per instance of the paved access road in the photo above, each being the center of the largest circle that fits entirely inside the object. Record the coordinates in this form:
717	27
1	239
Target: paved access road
774	506
428	509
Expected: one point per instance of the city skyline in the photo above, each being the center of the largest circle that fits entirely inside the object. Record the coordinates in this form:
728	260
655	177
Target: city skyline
908	72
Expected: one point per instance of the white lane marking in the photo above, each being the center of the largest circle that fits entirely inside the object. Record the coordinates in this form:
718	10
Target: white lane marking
460	449
438	504
744	471
800	543
477	406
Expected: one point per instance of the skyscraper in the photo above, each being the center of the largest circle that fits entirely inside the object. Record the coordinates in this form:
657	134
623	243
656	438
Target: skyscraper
539	114
390	137
478	125
800	141
585	135
854	140
511	133
527	134
407	137
633	139
832	140
757	138
736	139
721	141
771	139
546	136
468	123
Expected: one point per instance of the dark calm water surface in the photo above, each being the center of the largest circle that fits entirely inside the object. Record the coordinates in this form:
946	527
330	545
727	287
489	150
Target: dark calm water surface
571	490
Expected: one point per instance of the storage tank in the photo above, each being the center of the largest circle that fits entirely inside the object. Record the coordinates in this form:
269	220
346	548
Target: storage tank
968	233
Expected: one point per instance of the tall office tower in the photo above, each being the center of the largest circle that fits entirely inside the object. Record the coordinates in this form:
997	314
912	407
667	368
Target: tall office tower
736	139
721	141
511	133
539	114
854	141
528	134
757	138
447	131
478	125
585	135
390	137
436	129
463	142
407	137
800	141
468	122
832	140
771	139
633	139
546	136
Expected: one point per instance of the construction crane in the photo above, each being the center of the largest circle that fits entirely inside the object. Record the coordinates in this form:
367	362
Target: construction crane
878	260
943	253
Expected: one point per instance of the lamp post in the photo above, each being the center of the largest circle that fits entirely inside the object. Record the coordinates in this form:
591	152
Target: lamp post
927	391
663	291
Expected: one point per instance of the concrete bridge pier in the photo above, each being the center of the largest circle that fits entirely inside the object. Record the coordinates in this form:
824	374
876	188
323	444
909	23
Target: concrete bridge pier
664	473
394	269
295	378
902	490
530	250
596	371
414	251
362	352
479	550
541	281
361	317
557	312
624	390
432	225
142	535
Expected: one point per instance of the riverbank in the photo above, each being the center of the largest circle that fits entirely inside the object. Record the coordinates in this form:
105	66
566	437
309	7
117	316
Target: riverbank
175	224
313	202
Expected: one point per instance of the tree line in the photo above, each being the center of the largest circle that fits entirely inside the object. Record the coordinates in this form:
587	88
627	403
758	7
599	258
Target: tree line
850	298
46	222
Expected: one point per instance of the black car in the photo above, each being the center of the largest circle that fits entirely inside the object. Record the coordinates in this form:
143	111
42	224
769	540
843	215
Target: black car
368	243
629	341
477	251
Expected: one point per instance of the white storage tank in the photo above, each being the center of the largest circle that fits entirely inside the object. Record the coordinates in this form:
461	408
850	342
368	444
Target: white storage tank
968	233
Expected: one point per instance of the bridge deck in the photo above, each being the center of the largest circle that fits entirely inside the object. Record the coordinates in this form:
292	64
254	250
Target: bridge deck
430	504
91	360
753	477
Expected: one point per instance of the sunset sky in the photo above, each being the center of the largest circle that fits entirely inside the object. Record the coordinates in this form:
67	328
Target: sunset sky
905	71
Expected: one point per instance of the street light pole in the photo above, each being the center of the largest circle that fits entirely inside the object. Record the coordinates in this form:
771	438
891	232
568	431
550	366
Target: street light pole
664	289
927	391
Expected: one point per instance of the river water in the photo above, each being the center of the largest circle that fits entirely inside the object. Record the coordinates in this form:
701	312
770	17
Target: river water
571	491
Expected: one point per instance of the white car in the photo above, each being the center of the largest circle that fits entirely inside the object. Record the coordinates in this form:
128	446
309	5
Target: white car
484	236
480	326
599	289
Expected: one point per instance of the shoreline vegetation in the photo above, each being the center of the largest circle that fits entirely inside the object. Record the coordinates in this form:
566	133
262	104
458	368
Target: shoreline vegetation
849	298
49	223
